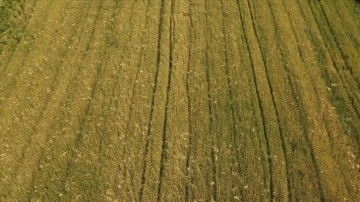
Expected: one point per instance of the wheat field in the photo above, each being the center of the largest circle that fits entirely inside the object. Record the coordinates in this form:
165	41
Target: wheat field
179	100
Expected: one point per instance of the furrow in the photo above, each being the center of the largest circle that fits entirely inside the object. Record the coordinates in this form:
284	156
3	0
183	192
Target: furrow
214	182
190	151
235	138
269	84
256	85
261	100
164	147
152	106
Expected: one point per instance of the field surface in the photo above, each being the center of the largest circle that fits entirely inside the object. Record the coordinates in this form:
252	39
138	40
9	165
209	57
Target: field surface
179	100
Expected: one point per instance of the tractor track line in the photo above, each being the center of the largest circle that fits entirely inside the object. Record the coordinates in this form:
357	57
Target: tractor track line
357	110
266	135
54	85
328	131
119	167
300	105
336	66
192	136
79	136
132	93
253	74
155	85
132	96
102	132
228	79
257	90
293	87
301	54
164	147
234	133
122	56
138	67
211	112
313	85
336	40
44	108
327	76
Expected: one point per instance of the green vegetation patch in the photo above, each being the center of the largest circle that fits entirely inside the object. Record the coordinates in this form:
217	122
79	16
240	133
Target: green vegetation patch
14	15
